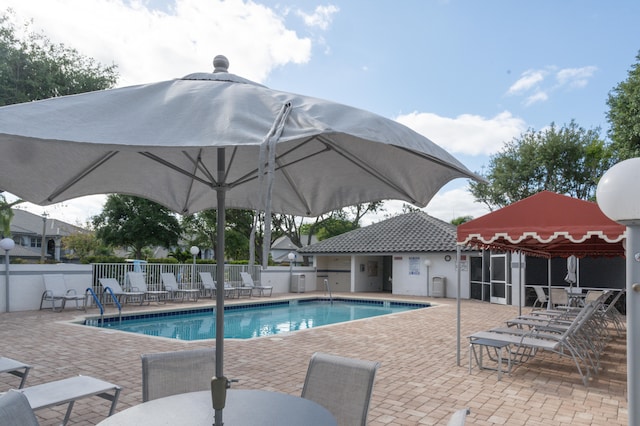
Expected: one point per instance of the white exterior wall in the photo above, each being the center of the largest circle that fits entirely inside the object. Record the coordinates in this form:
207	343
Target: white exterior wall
366	273
411	275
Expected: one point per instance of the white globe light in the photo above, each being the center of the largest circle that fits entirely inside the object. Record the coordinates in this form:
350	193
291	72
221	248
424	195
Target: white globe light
7	244
291	255
618	192
195	250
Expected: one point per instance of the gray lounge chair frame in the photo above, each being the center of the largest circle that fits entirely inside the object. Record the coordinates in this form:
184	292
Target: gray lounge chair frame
211	286
15	410
68	391
171	285
56	291
122	295
171	373
17	368
247	282
341	385
138	283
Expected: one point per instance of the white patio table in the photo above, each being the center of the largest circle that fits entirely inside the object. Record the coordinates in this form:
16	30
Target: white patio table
243	407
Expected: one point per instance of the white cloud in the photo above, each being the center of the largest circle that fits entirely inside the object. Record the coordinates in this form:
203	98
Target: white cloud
321	17
151	45
532	85
536	97
467	133
528	80
575	77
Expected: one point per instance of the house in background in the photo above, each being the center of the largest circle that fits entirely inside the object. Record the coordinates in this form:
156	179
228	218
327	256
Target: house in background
282	246
411	254
28	229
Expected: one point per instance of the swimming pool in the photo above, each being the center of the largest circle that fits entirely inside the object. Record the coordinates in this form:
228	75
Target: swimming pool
253	320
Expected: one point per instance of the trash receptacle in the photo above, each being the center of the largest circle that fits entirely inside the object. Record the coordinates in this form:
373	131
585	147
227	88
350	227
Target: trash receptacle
439	287
297	283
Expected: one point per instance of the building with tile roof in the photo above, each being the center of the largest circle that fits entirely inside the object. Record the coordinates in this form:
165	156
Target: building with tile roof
27	230
410	254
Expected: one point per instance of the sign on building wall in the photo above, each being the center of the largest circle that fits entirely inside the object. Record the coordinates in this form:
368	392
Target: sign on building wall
414	265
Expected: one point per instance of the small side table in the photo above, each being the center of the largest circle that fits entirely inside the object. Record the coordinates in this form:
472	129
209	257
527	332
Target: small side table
489	345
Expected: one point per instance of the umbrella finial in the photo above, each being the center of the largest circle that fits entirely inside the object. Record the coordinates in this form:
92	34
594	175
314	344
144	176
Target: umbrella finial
220	64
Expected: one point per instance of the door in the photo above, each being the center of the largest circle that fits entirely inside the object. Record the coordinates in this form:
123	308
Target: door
498	278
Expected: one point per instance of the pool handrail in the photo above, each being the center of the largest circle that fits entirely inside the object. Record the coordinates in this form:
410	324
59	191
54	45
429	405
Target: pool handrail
326	285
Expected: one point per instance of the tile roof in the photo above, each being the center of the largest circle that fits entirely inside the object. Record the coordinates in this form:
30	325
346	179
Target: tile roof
407	233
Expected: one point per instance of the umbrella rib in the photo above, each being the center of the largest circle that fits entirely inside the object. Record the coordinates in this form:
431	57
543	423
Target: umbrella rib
81	175
177	169
443	163
196	164
366	167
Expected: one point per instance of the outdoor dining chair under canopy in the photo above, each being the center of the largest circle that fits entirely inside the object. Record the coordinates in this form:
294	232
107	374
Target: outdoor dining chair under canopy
217	140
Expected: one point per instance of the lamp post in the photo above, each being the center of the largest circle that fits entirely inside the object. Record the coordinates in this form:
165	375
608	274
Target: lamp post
194	251
6	244
427	264
292	257
43	241
618	196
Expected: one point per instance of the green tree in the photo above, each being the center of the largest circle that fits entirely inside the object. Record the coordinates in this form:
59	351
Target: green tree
201	229
128	221
84	245
460	220
567	160
33	67
624	114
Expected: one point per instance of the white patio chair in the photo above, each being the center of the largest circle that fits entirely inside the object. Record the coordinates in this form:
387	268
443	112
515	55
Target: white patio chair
209	285
247	282
56	291
118	292
138	283
171	285
541	296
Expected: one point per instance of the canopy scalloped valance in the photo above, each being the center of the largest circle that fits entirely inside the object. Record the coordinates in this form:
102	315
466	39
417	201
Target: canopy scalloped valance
547	225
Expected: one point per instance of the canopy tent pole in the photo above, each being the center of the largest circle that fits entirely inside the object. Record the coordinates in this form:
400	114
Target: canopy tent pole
458	306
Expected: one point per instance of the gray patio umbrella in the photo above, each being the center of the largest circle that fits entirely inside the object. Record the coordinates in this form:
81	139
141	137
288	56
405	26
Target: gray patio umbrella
179	142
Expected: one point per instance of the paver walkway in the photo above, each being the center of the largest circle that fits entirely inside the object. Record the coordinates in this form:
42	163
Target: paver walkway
418	383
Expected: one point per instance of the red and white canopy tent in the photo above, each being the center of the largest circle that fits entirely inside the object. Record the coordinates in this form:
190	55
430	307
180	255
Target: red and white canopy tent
546	225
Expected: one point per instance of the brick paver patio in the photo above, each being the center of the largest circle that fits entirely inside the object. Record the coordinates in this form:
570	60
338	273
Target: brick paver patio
418	382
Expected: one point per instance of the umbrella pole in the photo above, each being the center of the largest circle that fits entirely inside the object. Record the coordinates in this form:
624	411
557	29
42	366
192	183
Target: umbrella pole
219	383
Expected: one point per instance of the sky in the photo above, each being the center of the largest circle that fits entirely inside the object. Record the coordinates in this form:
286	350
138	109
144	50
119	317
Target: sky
469	75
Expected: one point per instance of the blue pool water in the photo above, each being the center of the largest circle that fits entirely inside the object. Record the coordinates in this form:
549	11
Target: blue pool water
254	320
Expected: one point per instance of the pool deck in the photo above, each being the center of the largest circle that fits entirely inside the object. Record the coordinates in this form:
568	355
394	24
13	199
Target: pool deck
418	383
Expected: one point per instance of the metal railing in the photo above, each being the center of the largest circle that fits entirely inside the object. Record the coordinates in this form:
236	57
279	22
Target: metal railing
186	274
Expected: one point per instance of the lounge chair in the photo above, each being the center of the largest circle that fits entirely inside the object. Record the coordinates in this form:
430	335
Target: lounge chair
17	368
209	285
247	282
68	391
341	385
172	286
574	339
171	373
15	410
541	296
122	295
138	283
56	291
559	297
